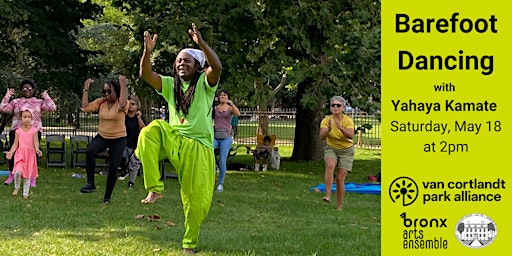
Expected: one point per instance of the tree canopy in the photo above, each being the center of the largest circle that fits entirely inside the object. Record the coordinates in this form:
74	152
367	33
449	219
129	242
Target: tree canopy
36	43
311	49
316	48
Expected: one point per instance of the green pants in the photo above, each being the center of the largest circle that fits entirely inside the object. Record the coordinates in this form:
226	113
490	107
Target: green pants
195	164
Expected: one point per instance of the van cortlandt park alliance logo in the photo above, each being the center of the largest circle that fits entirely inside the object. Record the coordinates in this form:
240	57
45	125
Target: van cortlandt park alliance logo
403	190
476	230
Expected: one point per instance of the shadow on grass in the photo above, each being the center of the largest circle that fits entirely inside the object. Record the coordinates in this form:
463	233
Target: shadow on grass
259	213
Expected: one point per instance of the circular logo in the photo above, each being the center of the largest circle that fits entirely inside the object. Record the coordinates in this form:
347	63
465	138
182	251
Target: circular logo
476	230
403	189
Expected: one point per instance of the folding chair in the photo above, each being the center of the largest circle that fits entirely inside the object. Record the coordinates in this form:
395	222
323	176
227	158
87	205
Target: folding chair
4	147
166	175
56	150
78	149
259	141
105	154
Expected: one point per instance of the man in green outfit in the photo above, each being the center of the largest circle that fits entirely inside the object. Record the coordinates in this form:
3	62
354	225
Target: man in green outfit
187	139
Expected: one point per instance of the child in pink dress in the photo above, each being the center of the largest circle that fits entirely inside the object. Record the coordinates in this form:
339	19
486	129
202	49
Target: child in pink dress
26	145
14	107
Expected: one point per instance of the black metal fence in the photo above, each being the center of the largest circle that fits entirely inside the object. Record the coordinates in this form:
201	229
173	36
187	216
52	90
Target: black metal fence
281	123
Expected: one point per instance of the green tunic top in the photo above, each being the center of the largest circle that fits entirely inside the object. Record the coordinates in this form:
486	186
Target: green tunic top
198	123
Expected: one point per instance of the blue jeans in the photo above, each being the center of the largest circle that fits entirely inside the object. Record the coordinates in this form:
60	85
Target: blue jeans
224	147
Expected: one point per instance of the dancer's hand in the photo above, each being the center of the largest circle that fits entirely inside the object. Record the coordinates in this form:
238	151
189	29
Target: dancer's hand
195	34
87	83
149	41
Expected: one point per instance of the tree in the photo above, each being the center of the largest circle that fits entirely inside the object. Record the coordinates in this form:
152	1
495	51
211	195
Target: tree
243	35
36	44
340	55
56	60
111	40
322	48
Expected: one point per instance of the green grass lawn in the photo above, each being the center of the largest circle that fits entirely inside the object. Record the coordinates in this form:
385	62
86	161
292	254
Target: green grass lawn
259	213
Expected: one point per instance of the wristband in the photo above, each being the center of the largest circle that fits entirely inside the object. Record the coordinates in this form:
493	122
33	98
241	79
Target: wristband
85	90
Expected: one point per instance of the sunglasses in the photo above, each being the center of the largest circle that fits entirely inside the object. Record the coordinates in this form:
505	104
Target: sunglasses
26	89
106	91
336	105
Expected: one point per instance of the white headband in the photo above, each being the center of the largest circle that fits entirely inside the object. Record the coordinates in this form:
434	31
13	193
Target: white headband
196	54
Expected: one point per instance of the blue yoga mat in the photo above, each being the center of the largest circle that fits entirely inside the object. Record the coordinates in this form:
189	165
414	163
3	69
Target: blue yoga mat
4	173
364	188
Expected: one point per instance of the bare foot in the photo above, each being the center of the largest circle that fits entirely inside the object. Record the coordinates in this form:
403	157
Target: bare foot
15	192
151	198
325	199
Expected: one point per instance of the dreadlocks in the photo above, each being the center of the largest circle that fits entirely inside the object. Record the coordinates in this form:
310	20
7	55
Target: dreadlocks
183	99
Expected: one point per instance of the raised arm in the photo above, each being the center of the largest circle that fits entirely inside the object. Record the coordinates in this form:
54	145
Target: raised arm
5	105
140	120
48	104
215	67
85	95
123	98
234	109
146	71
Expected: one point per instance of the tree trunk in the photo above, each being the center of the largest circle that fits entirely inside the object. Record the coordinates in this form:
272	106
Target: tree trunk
262	113
262	124
307	143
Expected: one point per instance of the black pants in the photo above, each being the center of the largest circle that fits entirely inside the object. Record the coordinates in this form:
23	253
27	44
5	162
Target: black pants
12	134
116	148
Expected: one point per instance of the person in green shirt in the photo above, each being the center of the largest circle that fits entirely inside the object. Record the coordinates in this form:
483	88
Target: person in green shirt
187	138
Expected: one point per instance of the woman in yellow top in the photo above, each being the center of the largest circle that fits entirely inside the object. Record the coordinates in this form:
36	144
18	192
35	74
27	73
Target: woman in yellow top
111	110
338	130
